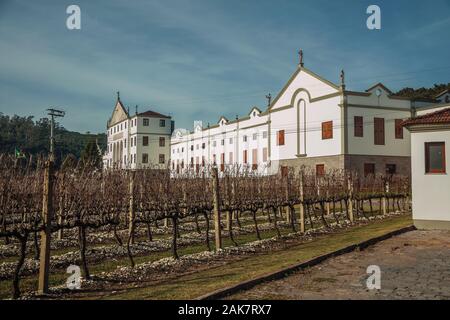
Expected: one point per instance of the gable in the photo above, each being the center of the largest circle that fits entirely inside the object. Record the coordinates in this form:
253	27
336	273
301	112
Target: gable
379	89
119	114
303	80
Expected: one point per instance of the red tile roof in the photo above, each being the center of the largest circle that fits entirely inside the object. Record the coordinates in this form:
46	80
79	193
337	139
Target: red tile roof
437	117
152	114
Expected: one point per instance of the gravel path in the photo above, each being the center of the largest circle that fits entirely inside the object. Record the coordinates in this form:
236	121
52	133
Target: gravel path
414	265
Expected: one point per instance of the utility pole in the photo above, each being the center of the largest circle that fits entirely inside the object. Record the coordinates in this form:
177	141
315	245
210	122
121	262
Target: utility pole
53	113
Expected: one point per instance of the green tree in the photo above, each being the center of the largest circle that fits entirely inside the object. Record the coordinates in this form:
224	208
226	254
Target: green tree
91	157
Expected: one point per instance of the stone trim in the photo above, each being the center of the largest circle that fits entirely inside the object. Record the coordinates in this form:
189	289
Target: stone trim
431	224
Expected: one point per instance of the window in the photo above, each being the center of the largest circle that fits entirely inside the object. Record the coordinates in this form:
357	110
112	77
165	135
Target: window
245	157
222	162
280	138
254	159
244	138
255	136
192	147
359	126
125	143
145	122
203	145
197	165
214	143
327	130
162	141
230	157
320	169
192	162
125	125
196	146
391	169
135	122
120	127
145	158
135	141
162	122
162	159
398	129
231	140
222	142
203	160
378	131
264	134
369	169
264	154
145	140
435	157
214	159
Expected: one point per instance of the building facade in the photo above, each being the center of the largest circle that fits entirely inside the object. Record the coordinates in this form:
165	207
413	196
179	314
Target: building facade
311	122
137	140
430	138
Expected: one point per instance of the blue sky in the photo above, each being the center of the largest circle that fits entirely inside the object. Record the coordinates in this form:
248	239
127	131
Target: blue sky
200	59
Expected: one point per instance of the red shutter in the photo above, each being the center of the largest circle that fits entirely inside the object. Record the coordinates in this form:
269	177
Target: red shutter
254	159
327	130
369	169
280	138
358	130
378	131
398	129
320	169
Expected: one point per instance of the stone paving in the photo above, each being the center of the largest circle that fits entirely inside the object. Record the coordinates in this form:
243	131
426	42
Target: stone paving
414	265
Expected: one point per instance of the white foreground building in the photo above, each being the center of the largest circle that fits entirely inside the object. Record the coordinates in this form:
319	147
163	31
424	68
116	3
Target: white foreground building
430	138
137	140
312	122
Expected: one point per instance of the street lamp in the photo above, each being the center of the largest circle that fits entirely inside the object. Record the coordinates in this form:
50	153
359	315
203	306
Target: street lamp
53	113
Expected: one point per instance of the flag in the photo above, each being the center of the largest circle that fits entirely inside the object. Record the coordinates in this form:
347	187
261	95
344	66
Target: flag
18	153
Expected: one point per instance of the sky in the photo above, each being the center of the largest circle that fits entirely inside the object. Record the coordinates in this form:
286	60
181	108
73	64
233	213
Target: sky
200	59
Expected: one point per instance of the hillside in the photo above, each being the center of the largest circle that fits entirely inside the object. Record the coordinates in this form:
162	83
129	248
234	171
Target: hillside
32	137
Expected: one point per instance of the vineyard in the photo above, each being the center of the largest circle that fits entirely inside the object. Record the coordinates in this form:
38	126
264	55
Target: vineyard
52	218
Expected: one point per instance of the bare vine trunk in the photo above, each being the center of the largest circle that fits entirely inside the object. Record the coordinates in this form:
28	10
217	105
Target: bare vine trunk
174	237
255	221
275	224
208	245
82	244
23	252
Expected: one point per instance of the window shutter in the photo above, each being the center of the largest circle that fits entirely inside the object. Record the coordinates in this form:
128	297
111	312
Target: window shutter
379	131
358	123
327	130
398	129
280	140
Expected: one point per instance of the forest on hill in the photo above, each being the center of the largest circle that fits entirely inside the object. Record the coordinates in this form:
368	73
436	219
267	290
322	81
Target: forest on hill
423	93
26	136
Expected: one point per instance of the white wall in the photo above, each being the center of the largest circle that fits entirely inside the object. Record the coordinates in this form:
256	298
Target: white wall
365	145
430	192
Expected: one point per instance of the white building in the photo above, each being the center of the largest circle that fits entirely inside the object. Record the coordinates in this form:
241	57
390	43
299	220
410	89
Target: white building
430	138
137	140
311	121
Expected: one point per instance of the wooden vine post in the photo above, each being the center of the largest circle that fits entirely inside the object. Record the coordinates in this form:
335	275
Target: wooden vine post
302	204
132	212
47	215
350	198
383	200
216	202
